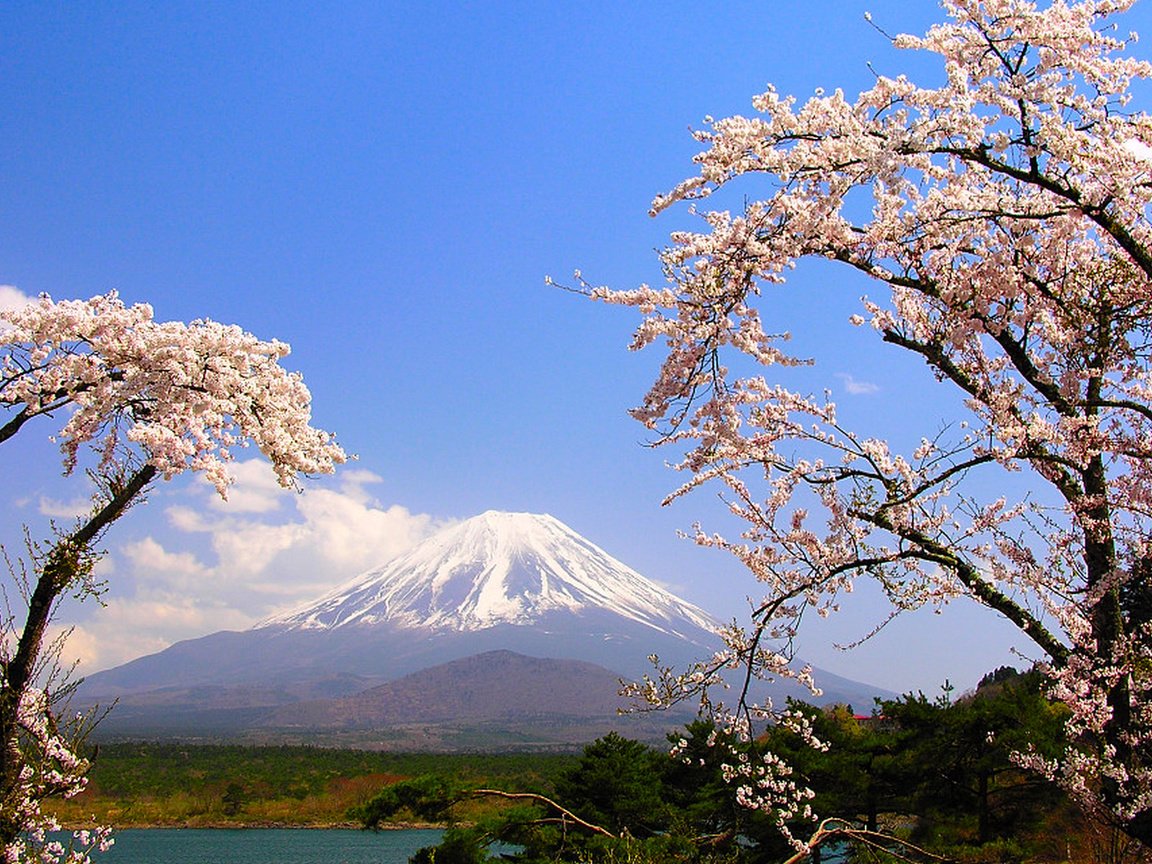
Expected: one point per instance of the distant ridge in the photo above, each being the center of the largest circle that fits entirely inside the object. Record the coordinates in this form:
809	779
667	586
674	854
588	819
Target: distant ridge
489	589
493	686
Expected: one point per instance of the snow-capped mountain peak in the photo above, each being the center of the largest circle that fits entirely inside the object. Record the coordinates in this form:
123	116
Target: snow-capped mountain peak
494	569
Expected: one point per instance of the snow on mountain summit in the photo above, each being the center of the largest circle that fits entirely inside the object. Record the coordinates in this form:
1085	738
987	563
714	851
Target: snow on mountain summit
498	568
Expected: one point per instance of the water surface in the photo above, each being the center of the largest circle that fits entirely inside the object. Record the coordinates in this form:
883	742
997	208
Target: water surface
264	846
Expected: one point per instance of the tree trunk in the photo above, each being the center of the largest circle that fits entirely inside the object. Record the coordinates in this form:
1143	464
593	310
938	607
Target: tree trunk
63	564
983	823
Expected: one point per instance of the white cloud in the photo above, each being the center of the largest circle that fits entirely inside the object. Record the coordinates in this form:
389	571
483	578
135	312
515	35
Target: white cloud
255	489
12	297
129	628
81	647
249	549
230	566
353	482
857	387
356	535
73	509
179	568
184	518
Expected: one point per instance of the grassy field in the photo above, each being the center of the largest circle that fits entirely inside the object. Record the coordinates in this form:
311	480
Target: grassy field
140	785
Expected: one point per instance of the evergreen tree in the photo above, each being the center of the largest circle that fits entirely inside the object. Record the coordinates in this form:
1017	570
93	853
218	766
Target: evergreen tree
617	785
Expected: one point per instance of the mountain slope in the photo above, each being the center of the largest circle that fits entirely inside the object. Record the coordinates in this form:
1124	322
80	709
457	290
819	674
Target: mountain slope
497	700
499	568
498	581
507	582
495	685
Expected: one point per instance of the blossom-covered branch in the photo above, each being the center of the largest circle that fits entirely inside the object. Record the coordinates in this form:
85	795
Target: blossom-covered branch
1009	230
148	400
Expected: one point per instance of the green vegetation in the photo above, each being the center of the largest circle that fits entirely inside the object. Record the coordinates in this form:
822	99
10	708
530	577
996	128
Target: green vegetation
920	777
942	773
936	773
169	784
621	801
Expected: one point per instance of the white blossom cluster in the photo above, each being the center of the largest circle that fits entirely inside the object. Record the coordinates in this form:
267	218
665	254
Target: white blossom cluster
51	767
187	394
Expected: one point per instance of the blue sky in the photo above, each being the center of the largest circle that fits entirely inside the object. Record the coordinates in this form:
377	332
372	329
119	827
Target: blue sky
386	186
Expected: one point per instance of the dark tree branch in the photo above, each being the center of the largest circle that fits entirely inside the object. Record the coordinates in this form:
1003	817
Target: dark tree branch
936	552
62	565
541	799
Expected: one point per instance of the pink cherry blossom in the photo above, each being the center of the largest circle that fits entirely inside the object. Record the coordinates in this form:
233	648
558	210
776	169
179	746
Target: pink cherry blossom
143	399
185	395
1009	236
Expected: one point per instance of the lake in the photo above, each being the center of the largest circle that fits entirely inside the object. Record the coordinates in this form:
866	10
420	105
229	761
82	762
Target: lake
264	846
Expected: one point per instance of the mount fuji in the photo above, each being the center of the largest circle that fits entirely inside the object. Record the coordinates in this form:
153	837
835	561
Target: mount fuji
497	569
496	585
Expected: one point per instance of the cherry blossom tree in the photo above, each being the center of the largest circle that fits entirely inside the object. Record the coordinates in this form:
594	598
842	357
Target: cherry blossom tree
134	400
1004	218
